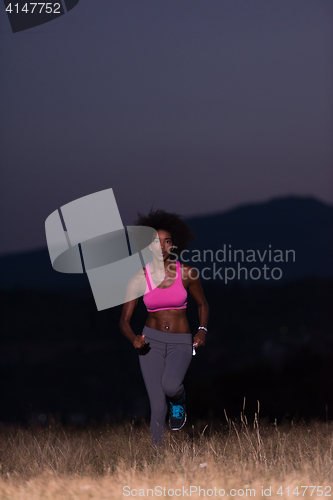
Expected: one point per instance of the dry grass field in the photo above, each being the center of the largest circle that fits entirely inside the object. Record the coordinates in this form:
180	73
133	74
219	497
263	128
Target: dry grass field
230	459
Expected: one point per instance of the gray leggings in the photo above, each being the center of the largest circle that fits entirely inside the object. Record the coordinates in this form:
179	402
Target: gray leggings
164	361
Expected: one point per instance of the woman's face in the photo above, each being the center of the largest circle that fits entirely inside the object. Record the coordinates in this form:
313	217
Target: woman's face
161	245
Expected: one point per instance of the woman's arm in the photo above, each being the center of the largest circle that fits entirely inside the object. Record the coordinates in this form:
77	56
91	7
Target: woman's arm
138	341
197	293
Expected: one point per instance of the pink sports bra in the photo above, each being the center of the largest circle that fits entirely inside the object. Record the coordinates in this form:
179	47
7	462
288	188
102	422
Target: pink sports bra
160	299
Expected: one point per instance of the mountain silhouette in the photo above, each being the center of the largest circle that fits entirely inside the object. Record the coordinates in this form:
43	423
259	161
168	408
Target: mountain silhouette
60	356
302	225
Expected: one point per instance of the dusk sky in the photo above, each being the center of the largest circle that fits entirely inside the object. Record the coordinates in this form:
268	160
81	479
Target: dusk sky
187	105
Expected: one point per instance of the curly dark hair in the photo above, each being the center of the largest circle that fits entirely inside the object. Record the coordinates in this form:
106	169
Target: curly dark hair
181	233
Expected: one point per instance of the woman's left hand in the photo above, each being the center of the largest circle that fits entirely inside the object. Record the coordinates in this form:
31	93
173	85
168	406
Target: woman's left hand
199	339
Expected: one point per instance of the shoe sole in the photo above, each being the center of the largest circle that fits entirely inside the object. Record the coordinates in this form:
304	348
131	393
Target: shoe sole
178	428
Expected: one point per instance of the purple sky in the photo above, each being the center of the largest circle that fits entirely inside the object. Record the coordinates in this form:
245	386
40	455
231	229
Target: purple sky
191	106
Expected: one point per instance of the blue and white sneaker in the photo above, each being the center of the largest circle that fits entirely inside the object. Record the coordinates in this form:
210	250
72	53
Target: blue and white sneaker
177	414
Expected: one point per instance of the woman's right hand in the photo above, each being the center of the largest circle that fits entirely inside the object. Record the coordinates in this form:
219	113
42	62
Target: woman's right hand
139	341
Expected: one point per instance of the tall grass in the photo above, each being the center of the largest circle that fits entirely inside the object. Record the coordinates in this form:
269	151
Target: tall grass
96	462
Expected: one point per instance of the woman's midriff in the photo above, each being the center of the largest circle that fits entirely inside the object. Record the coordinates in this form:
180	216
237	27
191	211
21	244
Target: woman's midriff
170	320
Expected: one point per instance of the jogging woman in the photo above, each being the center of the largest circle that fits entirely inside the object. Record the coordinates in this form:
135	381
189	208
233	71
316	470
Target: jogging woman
165	346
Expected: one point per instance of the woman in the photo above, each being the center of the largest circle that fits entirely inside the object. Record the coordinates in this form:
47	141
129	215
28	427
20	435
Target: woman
165	346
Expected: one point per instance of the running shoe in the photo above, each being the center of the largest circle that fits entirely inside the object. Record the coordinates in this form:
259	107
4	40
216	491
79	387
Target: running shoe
177	414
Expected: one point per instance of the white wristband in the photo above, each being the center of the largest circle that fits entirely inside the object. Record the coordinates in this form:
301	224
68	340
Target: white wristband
202	328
